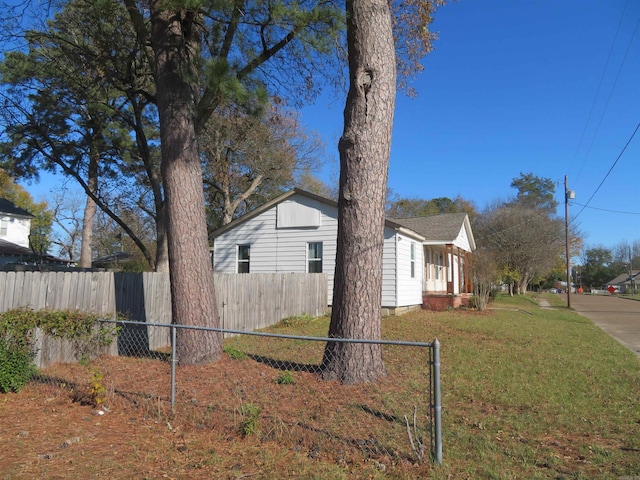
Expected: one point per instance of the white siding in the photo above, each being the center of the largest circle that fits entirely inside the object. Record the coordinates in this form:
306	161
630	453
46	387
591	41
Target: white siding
18	230
409	288
389	269
281	250
462	240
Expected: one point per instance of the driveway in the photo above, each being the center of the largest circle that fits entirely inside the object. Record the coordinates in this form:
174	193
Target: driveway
619	317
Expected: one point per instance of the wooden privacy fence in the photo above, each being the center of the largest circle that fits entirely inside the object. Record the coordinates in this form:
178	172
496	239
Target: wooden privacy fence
246	302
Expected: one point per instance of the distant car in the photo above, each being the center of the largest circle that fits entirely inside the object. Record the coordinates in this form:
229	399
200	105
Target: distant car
553	290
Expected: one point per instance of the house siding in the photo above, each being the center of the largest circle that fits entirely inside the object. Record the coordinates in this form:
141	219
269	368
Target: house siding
280	250
279	232
389	270
409	288
18	229
462	241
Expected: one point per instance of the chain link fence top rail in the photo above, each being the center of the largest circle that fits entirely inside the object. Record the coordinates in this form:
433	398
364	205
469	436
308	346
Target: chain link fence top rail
269	385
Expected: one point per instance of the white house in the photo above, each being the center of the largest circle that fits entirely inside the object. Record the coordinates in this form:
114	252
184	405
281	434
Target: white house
15	228
424	259
15	223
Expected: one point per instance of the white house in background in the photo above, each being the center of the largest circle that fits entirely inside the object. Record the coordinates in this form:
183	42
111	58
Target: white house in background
425	259
15	223
15	228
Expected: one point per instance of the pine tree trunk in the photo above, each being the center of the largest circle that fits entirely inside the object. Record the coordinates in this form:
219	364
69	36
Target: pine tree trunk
364	160
162	249
176	41
89	215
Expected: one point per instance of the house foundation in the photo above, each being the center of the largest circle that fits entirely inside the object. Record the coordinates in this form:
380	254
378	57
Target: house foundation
439	303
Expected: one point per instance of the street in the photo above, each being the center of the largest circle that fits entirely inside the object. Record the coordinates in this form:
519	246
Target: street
619	317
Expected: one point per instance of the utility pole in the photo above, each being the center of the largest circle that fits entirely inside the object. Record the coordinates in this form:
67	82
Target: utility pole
568	194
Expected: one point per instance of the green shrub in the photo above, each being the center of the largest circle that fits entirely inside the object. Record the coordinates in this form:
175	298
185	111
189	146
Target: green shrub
16	339
16	367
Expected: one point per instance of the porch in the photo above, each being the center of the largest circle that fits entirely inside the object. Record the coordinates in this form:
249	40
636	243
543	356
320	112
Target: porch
447	277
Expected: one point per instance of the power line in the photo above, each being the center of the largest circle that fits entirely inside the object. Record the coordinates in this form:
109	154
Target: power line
604	209
593	104
610	170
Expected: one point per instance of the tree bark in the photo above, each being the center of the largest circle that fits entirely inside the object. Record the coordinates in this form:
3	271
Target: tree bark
364	161
89	215
176	36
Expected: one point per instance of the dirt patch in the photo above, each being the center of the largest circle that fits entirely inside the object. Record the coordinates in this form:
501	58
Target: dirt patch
303	429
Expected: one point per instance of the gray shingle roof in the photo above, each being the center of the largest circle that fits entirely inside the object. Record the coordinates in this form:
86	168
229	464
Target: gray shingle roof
623	278
444	227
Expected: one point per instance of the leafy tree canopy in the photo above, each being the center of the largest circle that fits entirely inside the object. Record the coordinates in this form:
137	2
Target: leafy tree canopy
535	192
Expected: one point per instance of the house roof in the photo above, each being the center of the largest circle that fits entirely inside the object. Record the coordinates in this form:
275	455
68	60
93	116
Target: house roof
10	208
624	278
10	249
13	249
443	228
434	229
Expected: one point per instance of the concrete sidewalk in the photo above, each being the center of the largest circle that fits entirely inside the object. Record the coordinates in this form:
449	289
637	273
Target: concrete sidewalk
619	317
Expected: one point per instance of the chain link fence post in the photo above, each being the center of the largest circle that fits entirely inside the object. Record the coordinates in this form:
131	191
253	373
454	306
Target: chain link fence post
174	361
437	405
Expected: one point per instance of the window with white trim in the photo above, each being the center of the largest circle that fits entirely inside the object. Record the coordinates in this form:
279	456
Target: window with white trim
4	227
314	257
244	253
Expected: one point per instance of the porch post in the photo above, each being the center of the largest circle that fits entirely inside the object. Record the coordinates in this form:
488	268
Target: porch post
460	278
468	264
449	270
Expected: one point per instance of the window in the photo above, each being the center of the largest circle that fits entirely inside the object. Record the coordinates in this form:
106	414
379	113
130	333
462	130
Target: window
4	227
244	252
413	260
314	257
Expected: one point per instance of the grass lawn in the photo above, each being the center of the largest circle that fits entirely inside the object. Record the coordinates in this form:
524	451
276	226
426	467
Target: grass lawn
527	393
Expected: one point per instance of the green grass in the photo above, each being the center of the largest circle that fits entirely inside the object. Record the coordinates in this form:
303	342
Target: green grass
527	392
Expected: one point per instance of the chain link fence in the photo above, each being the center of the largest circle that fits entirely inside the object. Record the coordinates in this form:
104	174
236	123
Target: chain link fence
270	385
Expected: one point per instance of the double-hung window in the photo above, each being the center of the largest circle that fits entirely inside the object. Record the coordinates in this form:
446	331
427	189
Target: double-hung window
314	257
244	253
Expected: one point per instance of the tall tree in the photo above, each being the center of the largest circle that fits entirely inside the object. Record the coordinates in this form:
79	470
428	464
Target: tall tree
524	242
535	192
68	222
364	159
76	101
240	38
598	267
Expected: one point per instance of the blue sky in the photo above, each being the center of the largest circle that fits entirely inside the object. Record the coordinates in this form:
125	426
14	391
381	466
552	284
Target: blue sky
544	86
550	87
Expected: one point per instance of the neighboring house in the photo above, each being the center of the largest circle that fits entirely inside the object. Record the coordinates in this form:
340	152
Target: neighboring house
15	223
425	260
625	283
15	227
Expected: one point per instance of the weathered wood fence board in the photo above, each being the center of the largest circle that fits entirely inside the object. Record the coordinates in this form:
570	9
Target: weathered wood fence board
245	302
